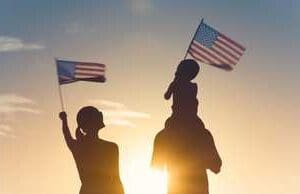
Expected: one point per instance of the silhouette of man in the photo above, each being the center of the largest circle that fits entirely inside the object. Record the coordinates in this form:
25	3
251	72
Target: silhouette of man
186	153
185	147
97	160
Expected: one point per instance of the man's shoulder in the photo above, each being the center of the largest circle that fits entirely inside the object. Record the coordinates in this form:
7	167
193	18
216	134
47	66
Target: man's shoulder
207	132
206	137
166	137
162	134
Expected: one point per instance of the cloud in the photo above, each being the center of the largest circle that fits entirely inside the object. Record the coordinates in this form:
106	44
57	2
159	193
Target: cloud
5	127
11	104
118	114
8	44
140	6
120	122
127	114
108	104
3	134
5	131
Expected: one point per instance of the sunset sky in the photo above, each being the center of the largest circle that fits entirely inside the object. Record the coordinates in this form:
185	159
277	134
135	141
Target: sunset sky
252	112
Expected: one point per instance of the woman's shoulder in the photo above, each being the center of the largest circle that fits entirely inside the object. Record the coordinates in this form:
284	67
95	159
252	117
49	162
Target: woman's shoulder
108	144
194	85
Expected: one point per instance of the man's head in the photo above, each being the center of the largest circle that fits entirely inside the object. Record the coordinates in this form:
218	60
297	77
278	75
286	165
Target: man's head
187	70
89	119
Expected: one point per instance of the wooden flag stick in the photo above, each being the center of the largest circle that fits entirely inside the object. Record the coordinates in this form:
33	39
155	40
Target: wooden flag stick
61	98
59	89
187	50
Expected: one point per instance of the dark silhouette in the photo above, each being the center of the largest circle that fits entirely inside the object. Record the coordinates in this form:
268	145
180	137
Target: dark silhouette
97	160
185	147
184	93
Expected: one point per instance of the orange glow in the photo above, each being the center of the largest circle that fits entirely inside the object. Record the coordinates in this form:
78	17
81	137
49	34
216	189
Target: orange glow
141	179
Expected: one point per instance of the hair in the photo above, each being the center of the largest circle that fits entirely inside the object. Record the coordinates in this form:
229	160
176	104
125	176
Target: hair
187	69
89	119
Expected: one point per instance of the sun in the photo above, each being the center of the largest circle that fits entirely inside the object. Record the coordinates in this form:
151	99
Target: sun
142	179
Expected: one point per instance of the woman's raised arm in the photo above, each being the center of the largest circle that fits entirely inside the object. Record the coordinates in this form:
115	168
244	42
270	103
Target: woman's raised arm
66	131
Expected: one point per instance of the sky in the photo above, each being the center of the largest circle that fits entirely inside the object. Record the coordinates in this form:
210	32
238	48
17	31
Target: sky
251	111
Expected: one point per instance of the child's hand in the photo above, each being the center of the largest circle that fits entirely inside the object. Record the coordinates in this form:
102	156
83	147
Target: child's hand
63	116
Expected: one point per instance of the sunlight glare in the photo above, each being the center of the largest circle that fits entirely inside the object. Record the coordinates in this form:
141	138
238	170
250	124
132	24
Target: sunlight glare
142	179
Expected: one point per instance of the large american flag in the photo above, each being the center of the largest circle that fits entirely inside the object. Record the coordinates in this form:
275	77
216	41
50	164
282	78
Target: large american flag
71	71
214	48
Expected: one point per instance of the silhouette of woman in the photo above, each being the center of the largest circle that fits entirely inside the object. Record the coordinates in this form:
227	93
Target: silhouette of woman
97	160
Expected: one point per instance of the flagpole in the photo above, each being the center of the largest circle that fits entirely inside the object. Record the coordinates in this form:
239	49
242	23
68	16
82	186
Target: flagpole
187	50
59	89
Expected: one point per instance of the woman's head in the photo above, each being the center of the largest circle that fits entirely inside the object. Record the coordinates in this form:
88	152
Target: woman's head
89	119
187	69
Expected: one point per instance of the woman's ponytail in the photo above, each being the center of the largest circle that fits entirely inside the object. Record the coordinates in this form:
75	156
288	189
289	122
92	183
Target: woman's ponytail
79	134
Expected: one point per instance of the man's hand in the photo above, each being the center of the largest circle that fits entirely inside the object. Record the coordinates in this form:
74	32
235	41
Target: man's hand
63	116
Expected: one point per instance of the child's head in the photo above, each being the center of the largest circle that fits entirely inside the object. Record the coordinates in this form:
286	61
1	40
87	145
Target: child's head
89	119
187	70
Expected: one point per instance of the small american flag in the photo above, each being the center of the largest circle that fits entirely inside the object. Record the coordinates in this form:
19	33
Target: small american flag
72	71
212	47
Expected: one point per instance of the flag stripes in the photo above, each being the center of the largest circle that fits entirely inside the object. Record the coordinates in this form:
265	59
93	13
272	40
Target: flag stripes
212	47
70	71
89	70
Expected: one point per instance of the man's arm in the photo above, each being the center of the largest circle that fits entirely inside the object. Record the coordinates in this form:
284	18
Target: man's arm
66	131
116	172
214	160
158	160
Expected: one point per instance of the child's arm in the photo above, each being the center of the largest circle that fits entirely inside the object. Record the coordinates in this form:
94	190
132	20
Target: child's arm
66	131
170	90
194	90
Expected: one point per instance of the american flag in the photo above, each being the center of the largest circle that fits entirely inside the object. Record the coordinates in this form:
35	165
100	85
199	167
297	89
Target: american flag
71	71
214	48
